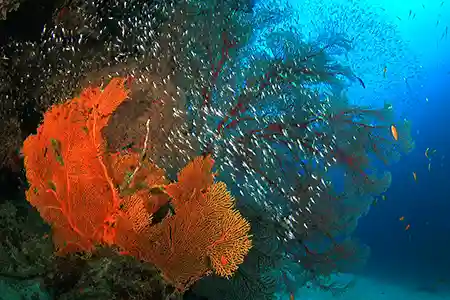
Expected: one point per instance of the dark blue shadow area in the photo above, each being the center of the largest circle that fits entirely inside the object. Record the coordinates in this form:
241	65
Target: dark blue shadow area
421	253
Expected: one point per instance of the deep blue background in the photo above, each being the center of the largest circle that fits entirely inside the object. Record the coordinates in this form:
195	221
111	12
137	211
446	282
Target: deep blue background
424	250
408	37
422	254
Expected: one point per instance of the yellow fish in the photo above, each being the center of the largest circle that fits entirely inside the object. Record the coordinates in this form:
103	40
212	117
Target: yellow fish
394	132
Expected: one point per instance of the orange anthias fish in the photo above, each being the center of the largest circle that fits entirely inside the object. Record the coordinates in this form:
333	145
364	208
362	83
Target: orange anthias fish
401	218
414	176
407	227
394	132
291	296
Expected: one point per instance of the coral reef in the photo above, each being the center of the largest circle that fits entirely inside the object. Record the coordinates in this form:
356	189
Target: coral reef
10	142
69	183
222	99
7	6
91	197
26	248
30	268
257	277
106	275
203	234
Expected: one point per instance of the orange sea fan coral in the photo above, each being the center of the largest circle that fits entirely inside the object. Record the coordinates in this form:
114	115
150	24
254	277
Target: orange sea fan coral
136	197
229	250
196	176
205	234
65	166
90	196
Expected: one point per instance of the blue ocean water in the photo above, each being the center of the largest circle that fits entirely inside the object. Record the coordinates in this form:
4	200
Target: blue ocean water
422	252
417	257
403	58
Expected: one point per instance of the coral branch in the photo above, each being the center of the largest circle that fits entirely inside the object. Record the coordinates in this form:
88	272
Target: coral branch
66	158
129	179
206	233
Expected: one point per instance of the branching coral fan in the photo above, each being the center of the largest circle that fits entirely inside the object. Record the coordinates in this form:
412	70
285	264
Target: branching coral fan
78	188
205	231
70	184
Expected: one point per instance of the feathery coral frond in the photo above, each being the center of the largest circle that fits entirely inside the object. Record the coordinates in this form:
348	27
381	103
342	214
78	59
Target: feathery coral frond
205	234
64	161
78	188
230	248
136	200
195	176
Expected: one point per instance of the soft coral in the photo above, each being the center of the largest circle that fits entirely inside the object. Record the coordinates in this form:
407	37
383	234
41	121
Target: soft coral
65	166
